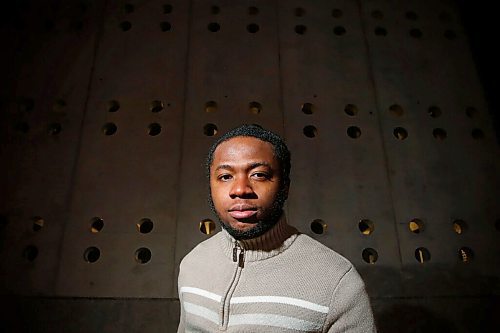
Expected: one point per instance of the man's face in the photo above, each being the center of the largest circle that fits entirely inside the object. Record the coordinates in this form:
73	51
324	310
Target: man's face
246	186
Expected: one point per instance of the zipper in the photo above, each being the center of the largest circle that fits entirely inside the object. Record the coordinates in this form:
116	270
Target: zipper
239	258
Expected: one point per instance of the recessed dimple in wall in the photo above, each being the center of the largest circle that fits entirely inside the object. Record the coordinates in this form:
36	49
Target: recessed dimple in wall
337	13
416	226
422	255
156	106
165	26
400	133
254	107
253	10
142	255
380	31
477	134
415	33
299	11
300	29
465	254
434	111
167	9
351	110
154	129
252	28
439	134
96	224
369	255
213	26
54	128
38	223
210	129
459	226
310	131
308	108
366	227
30	252
354	132
91	254
210	106
339	30
109	129
207	226
396	110
125	25
318	226
145	226
113	106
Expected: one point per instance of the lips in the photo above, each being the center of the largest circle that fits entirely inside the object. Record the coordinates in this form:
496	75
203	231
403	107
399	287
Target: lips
242	211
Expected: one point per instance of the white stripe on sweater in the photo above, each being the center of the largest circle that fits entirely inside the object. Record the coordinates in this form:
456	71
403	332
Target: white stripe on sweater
258	299
201	311
272	320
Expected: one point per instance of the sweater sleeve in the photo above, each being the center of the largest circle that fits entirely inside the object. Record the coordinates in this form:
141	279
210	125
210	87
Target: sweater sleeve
350	310
181	328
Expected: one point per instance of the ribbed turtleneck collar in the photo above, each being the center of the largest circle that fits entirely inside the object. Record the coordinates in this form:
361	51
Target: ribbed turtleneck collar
273	242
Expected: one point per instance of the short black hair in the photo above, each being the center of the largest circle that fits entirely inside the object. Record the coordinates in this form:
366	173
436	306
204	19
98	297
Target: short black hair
280	149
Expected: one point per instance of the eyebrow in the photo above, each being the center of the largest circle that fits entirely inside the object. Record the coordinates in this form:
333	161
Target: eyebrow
249	167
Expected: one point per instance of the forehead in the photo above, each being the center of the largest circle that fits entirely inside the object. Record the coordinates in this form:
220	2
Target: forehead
243	150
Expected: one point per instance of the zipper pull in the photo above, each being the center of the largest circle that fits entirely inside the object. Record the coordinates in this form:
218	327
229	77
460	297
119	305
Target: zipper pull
241	261
235	251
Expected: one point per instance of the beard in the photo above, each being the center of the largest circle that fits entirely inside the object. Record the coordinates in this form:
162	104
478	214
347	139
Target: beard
269	219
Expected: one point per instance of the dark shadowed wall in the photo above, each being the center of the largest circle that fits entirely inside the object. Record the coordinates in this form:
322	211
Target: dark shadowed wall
108	109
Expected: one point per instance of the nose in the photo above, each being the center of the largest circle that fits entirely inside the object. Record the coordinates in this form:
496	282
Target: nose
241	187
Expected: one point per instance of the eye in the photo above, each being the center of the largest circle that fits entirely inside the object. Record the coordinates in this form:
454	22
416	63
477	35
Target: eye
224	177
260	175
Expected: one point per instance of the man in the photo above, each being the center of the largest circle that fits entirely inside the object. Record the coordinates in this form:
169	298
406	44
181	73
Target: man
259	274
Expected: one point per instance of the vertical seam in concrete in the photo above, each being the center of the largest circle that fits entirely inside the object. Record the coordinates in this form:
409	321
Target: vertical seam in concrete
98	36
181	142
379	121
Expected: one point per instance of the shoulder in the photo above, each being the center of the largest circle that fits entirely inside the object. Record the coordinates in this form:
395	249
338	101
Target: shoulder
199	252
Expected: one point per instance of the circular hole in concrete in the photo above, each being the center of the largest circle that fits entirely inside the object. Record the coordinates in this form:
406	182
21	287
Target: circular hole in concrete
422	255
300	29
310	131
459	226
156	106
125	26
351	109
207	226
165	26
369	255
113	106
38	223
145	226
416	226
142	255
91	254
30	252
54	128
213	26
477	134
308	108
465	254
318	226
109	129
96	224
337	13
434	111
439	133
154	129
354	132
252	28
339	30
396	110
400	133
210	129
367	227
255	107
210	106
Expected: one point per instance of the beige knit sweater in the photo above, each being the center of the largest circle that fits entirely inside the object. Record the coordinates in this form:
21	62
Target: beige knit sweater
282	281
